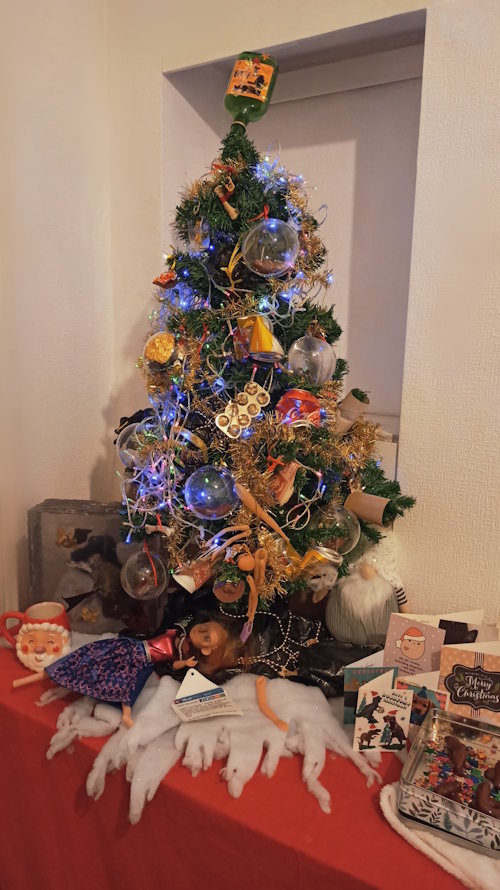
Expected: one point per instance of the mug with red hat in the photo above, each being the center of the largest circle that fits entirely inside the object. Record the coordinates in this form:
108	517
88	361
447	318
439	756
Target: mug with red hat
40	636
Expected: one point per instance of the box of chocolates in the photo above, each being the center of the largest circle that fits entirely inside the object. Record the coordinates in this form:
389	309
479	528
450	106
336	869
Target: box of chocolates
450	783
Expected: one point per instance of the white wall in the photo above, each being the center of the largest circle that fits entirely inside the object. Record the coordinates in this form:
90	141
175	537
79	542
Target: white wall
451	419
82	344
58	337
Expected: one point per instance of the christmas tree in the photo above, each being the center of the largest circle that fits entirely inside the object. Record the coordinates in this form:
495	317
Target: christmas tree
250	464
386	737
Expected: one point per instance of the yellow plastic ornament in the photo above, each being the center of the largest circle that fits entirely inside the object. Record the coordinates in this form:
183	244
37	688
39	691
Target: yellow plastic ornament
264	346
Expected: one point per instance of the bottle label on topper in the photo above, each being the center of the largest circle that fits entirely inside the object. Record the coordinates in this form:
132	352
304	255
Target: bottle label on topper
250	78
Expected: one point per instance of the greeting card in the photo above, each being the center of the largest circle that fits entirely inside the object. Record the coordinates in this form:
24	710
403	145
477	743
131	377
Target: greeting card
426	695
412	646
355	677
471	675
382	715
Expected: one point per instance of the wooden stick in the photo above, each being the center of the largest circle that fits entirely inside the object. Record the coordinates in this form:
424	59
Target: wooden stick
260	684
32	678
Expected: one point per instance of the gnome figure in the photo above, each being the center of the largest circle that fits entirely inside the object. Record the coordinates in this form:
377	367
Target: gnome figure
359	608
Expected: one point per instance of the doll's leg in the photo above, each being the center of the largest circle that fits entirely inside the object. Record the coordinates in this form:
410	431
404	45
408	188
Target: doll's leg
260	685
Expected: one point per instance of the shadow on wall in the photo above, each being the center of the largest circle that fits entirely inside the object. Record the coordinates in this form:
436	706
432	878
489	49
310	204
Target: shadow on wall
129	396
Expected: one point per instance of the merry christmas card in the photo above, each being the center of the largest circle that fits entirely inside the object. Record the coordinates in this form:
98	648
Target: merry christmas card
382	715
413	646
470	674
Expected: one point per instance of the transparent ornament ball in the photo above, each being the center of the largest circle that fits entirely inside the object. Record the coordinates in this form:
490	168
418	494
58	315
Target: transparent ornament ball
210	492
312	357
128	445
143	576
345	526
270	247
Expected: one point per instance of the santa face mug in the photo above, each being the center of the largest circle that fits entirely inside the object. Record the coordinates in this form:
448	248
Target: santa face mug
40	636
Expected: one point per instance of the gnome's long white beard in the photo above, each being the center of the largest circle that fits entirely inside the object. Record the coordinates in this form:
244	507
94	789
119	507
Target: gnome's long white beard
358	610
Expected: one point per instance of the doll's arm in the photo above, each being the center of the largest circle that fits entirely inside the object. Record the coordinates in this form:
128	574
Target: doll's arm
185	662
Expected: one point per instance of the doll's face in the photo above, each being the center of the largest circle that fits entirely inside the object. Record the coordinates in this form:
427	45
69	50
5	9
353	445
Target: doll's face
208	636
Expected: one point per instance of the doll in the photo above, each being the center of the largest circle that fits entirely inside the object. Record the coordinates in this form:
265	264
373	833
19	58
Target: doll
115	670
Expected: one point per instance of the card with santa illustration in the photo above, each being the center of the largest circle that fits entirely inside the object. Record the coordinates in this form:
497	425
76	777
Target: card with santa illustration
382	715
413	646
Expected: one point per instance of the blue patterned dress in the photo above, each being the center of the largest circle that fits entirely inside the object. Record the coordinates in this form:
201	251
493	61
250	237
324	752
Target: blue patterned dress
110	670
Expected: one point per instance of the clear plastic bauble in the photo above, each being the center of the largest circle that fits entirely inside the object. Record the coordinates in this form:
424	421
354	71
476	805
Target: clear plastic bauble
210	492
346	529
143	576
128	446
270	247
312	357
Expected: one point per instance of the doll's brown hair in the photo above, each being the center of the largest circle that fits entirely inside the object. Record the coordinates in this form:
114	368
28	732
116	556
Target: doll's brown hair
231	654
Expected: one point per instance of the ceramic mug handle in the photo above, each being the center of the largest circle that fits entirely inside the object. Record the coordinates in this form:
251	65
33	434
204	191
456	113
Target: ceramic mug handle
11	632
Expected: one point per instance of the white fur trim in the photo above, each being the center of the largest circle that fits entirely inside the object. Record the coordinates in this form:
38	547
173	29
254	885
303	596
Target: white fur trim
44	625
474	870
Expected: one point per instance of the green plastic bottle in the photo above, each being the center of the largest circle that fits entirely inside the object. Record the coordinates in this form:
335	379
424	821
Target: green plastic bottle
250	87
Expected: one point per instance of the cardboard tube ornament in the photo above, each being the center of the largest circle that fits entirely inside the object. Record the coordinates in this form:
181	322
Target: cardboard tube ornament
348	411
369	507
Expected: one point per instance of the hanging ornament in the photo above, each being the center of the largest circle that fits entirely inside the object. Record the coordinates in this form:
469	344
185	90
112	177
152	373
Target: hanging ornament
282	482
349	409
159	351
297	407
369	507
243	332
270	247
345	527
166	280
263	346
143	575
229	591
224	192
128	446
242	410
194	575
210	492
199	235
313	357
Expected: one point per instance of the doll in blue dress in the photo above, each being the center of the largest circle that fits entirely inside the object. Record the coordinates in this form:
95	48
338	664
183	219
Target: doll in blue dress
116	670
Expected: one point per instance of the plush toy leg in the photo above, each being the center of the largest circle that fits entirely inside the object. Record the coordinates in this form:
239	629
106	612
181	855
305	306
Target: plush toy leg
260	685
32	678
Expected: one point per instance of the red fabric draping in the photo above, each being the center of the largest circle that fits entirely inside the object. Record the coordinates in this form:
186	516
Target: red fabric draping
192	835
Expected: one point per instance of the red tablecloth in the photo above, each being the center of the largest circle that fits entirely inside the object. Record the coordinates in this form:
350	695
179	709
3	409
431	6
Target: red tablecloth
192	835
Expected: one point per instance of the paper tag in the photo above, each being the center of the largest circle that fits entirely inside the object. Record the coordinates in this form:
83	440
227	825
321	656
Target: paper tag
198	699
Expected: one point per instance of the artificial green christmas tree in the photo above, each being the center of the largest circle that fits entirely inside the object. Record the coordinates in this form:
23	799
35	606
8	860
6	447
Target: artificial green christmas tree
248	452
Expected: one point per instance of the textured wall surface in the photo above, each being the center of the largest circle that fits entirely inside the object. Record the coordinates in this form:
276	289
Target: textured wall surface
83	223
451	408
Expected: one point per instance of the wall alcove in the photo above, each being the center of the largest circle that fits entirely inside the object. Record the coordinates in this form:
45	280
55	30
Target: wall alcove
345	114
